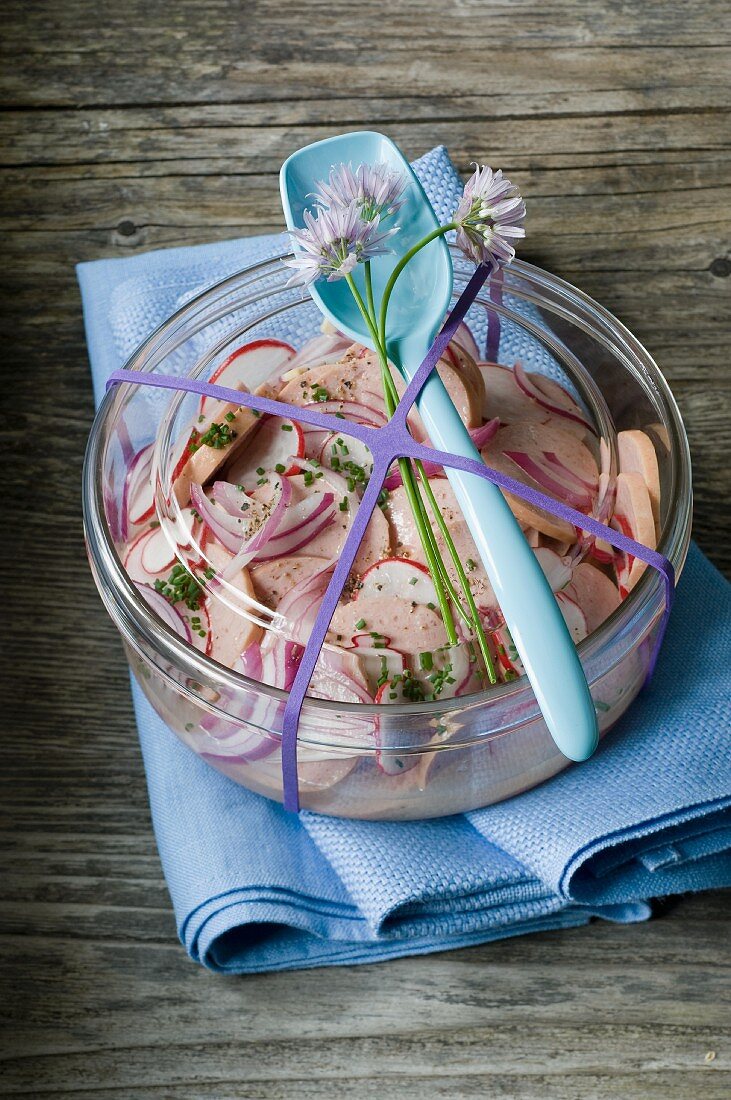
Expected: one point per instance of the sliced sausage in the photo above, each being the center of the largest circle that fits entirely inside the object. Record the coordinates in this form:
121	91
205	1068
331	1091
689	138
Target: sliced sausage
200	461
406	541
231	631
577	470
272	580
633	517
376	543
637	456
594	592
357	377
506	400
410	629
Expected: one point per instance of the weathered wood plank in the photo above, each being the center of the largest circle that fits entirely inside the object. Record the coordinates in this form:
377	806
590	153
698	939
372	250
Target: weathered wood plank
252	137
401	1058
167	54
713	1085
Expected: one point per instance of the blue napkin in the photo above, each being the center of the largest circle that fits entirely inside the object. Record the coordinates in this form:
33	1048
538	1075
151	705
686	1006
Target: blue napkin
257	889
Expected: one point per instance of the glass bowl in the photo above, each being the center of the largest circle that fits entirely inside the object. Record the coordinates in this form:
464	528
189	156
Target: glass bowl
361	760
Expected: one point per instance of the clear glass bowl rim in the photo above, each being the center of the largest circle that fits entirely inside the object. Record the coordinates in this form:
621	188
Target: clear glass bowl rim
127	609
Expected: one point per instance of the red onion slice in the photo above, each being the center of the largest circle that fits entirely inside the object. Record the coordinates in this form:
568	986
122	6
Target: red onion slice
165	610
228	530
570	475
529	388
233	500
138	503
328	347
221	522
303	513
351	410
528	465
338	676
481	436
297	540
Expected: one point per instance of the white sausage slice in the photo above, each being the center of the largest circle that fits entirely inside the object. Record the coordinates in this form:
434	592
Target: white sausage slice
273	579
357	377
199	461
595	594
633	517
231	631
505	399
637	456
537	441
406	541
376	543
411	629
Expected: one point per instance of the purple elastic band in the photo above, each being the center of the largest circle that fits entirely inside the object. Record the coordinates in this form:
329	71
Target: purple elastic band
387	444
492	341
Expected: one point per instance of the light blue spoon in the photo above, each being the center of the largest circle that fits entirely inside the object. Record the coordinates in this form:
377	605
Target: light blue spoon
417	309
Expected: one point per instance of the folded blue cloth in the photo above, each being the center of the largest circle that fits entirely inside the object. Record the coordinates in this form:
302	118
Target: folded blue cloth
257	889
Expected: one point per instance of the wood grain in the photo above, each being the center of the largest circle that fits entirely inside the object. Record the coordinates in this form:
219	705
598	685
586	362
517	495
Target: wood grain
133	125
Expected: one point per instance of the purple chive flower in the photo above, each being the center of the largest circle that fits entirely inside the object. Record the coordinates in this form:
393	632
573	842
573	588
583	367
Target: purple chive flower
333	242
489	217
375	188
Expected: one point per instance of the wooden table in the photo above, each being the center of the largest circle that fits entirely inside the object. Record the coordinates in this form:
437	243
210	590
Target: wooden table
146	124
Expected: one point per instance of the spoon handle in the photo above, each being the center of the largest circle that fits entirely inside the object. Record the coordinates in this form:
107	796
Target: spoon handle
528	604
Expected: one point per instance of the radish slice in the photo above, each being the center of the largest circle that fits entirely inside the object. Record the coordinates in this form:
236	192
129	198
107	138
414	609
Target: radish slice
165	610
158	555
251	365
379	662
135	558
314	441
275	440
138	502
399	577
574	617
451	666
340	452
557	570
602	552
506	655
